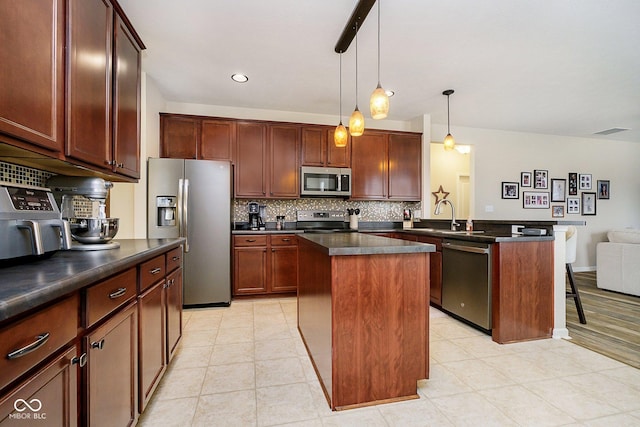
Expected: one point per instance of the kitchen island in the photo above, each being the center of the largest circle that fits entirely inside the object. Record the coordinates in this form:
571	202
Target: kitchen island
363	315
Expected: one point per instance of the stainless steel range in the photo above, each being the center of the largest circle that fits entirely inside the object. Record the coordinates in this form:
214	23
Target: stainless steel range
30	224
318	221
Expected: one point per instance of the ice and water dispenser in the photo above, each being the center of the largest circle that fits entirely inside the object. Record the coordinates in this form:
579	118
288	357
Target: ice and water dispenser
167	211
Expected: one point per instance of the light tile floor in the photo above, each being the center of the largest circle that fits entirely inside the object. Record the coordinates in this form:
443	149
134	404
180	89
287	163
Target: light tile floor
246	366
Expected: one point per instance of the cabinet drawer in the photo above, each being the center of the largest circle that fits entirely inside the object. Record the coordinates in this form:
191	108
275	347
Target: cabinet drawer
284	240
27	342
105	297
250	240
152	271
174	259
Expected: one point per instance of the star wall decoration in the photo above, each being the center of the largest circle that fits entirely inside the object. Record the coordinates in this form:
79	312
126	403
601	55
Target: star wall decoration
440	194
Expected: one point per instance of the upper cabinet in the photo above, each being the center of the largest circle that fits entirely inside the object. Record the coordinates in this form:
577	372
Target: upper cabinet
318	148
103	120
79	109
32	72
386	166
193	137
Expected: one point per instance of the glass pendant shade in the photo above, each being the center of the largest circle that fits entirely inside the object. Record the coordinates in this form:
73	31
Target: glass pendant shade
449	142
356	123
379	103
340	136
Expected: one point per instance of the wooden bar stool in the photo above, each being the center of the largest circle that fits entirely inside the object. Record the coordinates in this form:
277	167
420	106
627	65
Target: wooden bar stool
570	255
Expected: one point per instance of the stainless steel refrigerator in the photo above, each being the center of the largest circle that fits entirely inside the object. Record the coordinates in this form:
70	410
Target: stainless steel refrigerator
192	199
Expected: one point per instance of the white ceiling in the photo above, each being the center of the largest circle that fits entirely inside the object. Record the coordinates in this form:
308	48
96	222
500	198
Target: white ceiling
560	67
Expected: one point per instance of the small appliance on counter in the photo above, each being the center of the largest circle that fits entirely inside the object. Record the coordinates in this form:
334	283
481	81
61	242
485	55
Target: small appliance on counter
407	219
94	231
30	224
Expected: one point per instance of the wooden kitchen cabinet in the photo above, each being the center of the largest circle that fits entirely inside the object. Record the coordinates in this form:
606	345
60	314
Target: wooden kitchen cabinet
251	160
151	340
97	32
178	137
435	267
386	166
319	149
265	264
173	312
284	173
217	140
32	58
111	373
55	386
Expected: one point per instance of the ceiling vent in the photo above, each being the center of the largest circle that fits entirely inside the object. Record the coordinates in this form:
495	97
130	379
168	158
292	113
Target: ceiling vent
610	131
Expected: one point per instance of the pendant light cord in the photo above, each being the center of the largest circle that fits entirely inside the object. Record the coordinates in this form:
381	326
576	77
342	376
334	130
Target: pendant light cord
378	42
448	120
356	65
340	87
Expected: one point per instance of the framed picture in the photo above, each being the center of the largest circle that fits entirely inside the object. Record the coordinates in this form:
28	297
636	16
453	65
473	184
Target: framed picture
525	179
558	189
510	190
603	189
540	179
584	181
573	184
588	203
535	199
573	205
557	211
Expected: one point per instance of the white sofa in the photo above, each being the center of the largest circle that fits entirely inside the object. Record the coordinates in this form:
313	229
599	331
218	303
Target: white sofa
618	262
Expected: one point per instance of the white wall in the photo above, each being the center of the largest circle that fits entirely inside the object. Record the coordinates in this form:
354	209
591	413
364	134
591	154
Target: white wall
502	155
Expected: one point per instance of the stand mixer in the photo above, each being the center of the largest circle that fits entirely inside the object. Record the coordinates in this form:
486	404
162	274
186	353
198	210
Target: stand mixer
94	231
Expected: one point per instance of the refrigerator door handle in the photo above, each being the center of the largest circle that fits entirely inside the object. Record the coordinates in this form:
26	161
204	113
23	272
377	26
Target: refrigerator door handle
185	214
180	207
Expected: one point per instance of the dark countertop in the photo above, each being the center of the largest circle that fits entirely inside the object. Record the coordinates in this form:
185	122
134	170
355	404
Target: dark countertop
25	286
334	244
475	236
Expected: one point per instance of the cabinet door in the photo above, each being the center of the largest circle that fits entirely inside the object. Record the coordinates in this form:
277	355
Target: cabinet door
89	81
338	157
369	166
178	137
250	270
313	146
32	70
435	269
284	172
51	393
284	268
251	160
152	340
112	371
405	166
218	139
174	312
126	102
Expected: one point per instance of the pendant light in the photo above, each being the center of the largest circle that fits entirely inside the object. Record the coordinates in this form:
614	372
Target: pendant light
356	121
379	102
340	134
449	142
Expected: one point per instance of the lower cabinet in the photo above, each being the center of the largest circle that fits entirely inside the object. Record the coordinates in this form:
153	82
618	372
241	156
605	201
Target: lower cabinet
111	372
47	398
152	339
265	264
435	269
174	312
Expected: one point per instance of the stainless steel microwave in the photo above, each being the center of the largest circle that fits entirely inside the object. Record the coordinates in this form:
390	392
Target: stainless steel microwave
325	182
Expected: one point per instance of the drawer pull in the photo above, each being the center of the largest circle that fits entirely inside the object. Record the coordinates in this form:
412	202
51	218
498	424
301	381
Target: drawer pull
155	270
175	258
81	361
286	240
98	344
118	293
40	340
251	240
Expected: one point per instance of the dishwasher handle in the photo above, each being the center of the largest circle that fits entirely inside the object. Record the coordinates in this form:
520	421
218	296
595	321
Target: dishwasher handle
472	249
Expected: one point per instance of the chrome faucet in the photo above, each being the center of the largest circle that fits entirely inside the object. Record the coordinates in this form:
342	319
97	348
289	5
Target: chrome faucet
454	224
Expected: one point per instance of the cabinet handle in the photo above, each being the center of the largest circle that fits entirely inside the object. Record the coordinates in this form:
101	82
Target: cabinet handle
98	344
81	361
155	270
120	165
40	340
118	293
175	258
286	240
250	240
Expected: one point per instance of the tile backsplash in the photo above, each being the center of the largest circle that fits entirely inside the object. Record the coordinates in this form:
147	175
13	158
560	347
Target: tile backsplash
369	210
23	175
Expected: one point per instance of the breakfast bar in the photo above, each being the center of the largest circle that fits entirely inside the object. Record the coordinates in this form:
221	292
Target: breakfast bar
363	315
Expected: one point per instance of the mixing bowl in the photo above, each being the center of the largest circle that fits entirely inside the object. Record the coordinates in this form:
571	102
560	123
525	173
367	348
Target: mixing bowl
93	230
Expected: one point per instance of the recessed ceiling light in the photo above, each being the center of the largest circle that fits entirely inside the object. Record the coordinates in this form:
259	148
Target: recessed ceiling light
239	78
389	93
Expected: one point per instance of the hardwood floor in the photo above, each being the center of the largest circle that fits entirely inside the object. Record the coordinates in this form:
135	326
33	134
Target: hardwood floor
613	321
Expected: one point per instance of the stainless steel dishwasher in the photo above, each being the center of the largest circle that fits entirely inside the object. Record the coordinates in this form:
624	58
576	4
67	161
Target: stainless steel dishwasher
466	281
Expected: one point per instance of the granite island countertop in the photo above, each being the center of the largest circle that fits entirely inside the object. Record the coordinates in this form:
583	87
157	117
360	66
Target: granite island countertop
334	244
29	285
